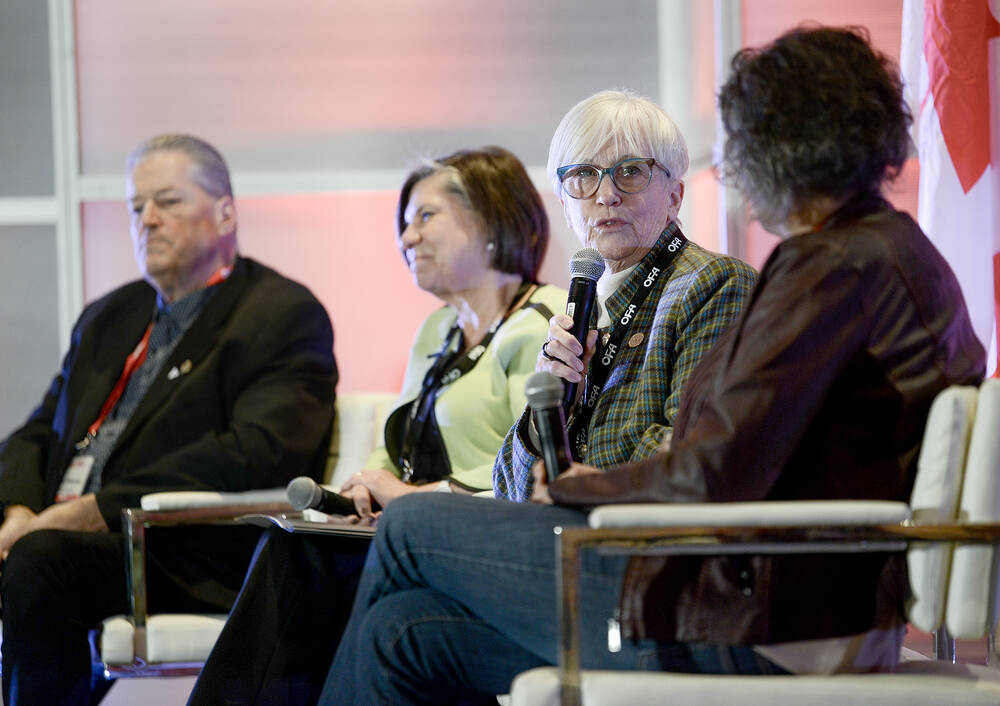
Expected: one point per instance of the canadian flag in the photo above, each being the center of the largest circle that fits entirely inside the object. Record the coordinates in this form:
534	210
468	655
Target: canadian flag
950	60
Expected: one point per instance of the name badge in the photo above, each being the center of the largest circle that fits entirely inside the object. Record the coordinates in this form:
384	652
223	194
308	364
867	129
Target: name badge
76	477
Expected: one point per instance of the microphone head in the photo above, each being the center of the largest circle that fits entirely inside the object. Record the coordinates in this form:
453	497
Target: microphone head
586	263
302	492
543	390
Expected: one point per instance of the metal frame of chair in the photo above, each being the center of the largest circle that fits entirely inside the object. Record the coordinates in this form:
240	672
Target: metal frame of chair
135	522
358	433
792	539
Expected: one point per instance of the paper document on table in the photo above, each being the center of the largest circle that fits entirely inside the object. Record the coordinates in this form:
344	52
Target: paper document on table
330	526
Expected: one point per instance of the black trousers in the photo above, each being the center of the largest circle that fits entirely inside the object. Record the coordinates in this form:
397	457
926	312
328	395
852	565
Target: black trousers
57	585
283	631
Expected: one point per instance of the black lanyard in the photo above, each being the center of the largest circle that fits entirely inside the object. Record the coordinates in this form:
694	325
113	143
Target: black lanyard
449	366
606	354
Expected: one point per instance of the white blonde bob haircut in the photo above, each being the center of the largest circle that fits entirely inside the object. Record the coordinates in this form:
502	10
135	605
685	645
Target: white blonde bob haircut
630	124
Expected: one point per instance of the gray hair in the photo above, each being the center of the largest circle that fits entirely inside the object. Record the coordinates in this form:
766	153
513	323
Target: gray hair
210	171
633	124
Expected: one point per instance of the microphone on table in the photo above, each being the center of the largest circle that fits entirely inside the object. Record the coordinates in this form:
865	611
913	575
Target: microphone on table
544	393
305	493
585	268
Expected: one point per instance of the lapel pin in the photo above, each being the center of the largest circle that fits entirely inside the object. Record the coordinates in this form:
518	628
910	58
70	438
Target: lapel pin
176	372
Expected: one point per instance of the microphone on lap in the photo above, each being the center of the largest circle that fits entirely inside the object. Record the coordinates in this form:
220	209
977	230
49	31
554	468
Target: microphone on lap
305	493
585	268
544	391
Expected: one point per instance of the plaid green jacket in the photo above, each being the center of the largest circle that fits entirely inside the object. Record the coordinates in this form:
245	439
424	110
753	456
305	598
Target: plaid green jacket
700	296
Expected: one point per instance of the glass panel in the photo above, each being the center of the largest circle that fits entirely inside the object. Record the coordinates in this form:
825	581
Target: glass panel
26	127
29	348
310	84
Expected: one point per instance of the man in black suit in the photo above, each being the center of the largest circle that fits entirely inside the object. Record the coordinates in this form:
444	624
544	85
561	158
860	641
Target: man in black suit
216	373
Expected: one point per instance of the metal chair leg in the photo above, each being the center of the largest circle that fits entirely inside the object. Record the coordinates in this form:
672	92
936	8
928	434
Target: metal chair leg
944	645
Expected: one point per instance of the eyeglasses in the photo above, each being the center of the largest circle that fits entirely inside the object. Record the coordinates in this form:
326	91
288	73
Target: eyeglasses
632	175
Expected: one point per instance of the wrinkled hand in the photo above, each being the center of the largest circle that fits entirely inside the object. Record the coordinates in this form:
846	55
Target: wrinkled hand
80	514
540	490
562	355
381	485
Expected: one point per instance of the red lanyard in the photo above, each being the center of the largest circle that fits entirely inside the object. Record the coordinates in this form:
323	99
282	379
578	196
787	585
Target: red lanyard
135	359
220	275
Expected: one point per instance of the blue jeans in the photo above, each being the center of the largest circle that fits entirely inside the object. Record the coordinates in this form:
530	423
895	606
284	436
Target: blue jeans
458	597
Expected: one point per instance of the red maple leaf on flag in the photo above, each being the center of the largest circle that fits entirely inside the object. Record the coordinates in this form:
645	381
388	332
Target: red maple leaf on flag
955	44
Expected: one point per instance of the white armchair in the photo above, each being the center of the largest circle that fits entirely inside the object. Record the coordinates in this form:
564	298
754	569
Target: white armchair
139	644
950	530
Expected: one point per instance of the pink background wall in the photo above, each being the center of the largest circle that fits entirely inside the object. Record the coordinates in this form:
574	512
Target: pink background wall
340	90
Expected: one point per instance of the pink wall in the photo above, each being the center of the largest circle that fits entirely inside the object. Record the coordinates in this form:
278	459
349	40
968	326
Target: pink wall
343	247
327	242
342	244
356	90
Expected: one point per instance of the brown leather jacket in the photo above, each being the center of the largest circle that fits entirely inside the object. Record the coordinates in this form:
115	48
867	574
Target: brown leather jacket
819	391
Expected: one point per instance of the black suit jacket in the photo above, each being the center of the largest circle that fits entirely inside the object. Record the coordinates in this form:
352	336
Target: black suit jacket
250	405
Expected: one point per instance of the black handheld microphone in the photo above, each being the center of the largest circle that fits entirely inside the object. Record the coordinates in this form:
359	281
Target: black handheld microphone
585	268
544	391
305	493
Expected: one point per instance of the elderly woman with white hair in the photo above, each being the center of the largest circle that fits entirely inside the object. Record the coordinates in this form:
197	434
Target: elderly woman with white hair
616	162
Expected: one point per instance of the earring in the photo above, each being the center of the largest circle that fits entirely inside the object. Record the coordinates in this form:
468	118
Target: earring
490	247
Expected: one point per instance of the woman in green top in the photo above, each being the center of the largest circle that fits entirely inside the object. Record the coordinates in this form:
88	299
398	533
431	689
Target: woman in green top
473	231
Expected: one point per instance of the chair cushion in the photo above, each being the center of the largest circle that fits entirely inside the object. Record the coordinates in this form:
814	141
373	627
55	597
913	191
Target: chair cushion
962	684
969	595
936	491
357	431
169	638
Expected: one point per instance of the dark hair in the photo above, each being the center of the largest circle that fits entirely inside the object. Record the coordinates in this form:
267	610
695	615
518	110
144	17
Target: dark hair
210	170
816	113
496	187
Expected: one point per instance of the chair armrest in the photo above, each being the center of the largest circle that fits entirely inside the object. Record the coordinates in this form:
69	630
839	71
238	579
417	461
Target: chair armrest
735	528
816	513
183	508
188	499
